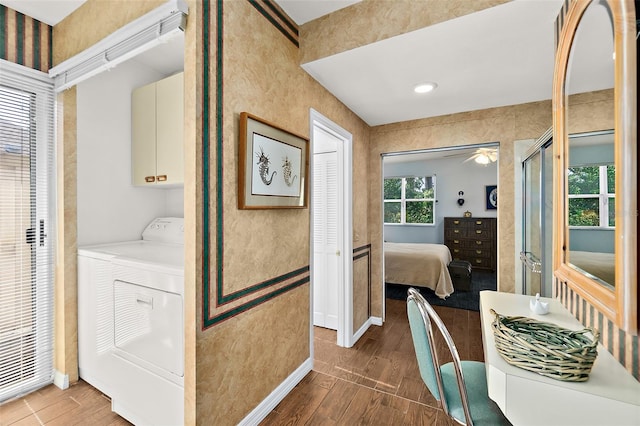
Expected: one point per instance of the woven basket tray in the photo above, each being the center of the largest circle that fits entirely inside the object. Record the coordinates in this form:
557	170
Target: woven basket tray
545	348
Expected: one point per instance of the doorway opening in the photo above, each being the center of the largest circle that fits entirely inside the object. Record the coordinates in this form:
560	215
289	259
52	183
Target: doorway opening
423	191
331	229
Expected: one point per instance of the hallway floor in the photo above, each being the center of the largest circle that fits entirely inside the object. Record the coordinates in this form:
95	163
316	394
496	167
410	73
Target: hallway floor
376	382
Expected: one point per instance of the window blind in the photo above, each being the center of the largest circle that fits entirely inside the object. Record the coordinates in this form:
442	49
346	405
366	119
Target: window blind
27	180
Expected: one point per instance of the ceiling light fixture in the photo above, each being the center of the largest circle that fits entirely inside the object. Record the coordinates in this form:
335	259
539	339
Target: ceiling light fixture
425	87
482	159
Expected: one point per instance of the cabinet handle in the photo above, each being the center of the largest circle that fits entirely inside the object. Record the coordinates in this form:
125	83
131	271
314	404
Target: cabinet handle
149	178
145	300
162	178
456	231
478	251
456	241
478	260
479	242
456	222
478	231
456	251
478	222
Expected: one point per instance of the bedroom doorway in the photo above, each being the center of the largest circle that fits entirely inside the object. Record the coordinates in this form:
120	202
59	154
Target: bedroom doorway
331	229
465	181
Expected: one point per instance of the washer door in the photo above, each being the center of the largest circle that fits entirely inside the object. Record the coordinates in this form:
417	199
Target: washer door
148	325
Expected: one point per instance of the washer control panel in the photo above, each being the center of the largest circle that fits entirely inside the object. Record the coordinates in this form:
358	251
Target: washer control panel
165	230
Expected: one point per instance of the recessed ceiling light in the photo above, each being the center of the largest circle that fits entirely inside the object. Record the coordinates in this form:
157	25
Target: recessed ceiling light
425	87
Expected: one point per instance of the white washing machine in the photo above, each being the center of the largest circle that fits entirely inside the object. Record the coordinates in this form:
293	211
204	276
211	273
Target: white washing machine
131	323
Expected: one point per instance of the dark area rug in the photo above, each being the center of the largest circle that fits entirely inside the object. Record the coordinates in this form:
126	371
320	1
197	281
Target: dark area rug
470	300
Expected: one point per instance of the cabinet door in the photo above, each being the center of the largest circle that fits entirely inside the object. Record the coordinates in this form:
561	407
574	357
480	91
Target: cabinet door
170	129
143	135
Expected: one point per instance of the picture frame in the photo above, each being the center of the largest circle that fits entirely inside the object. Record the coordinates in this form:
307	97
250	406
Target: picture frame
491	196
273	166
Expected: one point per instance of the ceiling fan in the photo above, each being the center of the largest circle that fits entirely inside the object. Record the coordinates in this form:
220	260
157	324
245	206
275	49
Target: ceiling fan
484	156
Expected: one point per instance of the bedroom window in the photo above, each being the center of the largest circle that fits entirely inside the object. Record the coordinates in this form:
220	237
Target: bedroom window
592	196
409	200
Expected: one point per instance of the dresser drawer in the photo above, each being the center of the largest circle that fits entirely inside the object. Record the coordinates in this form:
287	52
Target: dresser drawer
480	262
478	244
453	223
482	224
455	242
456	233
457	252
482	252
479	234
472	240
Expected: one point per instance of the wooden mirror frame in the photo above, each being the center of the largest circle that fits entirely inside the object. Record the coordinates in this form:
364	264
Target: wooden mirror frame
620	304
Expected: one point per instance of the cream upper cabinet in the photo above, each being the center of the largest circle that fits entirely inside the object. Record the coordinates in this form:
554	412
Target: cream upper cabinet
157	133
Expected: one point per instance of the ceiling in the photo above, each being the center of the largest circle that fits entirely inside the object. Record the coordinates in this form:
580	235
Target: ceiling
500	56
303	11
48	11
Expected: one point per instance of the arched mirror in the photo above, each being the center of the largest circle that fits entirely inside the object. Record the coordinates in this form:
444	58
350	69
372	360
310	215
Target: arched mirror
595	123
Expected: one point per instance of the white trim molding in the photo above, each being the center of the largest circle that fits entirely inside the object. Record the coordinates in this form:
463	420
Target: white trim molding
376	321
269	403
61	380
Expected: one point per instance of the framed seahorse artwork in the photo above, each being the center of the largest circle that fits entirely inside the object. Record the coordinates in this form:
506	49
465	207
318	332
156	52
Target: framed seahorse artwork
273	166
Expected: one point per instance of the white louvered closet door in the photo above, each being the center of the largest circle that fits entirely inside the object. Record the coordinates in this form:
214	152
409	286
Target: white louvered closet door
26	260
326	240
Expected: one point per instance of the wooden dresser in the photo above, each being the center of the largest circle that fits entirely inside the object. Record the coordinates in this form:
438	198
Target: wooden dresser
472	239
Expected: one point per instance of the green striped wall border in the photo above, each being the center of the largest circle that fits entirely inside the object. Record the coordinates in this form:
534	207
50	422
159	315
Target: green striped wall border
24	40
224	305
278	18
623	346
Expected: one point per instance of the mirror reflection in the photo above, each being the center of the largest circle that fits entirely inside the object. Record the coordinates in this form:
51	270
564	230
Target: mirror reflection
590	197
591	205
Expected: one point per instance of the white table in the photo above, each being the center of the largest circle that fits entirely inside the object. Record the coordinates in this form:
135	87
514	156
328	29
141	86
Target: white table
610	397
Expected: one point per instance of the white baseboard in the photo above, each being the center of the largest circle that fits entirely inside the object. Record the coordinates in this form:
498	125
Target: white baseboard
61	380
358	334
269	403
376	320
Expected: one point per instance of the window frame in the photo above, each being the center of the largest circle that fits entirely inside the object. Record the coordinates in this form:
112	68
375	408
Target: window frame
603	197
403	200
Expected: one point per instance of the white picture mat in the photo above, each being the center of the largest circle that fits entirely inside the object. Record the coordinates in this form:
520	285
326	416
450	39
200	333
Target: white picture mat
276	152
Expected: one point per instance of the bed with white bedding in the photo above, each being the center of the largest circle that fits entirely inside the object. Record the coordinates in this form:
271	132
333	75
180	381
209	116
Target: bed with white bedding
420	265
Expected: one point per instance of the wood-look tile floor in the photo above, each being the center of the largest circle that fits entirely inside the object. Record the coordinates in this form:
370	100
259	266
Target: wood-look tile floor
376	382
80	404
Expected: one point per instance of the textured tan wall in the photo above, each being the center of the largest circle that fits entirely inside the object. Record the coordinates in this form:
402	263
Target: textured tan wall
505	125
262	76
374	20
92	22
66	265
590	112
